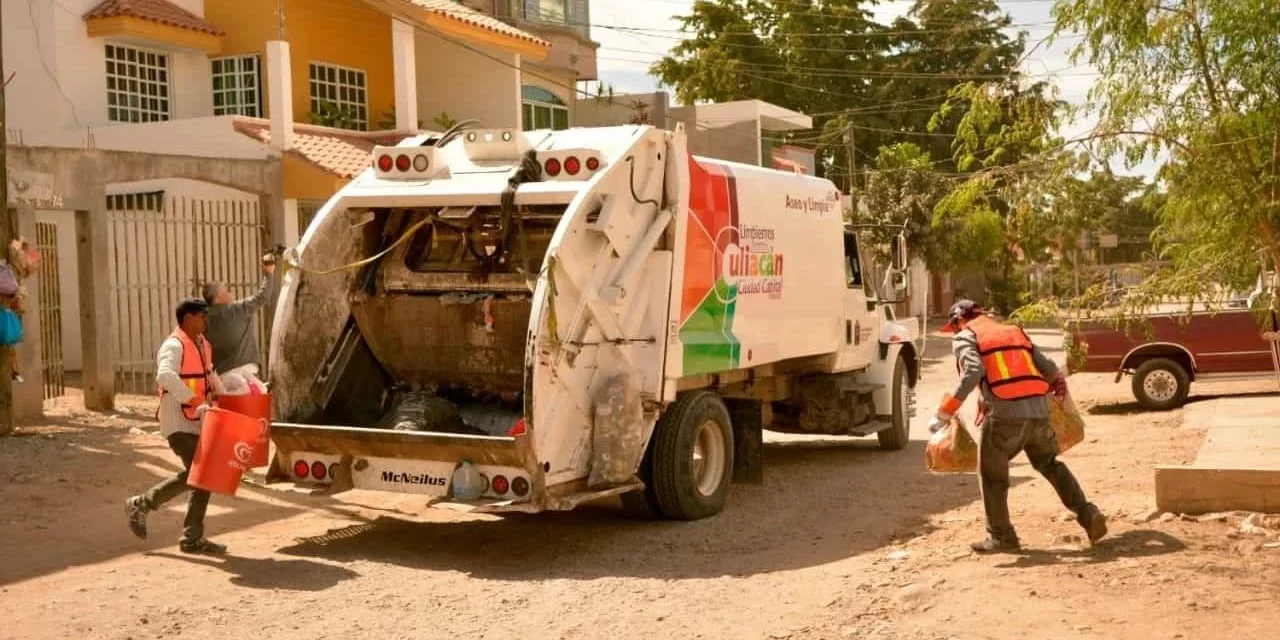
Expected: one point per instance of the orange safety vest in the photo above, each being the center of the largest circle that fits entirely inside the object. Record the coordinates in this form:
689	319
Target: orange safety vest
1005	350
197	368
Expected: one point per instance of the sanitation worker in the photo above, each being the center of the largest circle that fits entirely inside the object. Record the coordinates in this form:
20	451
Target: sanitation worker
187	382
231	330
1015	378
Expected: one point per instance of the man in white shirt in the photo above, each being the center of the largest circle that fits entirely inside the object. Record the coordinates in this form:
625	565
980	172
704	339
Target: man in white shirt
187	385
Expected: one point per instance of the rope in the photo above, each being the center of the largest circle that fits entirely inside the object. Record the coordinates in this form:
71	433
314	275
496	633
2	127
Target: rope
360	263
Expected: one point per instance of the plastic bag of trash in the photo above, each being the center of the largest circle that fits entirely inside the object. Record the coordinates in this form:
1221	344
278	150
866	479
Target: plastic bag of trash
1067	422
952	449
425	411
243	381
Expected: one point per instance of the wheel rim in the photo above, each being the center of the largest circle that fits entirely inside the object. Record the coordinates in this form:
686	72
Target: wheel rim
1160	385
708	458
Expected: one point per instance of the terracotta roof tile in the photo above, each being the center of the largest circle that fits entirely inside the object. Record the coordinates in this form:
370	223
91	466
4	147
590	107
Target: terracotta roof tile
454	11
342	153
160	11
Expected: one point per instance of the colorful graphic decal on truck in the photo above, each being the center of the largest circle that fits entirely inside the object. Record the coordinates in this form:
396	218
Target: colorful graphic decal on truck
722	262
708	300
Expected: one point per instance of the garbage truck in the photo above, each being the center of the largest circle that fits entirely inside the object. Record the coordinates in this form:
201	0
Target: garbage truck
503	320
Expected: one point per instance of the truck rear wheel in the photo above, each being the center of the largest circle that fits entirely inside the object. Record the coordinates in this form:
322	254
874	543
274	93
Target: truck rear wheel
691	457
1161	384
895	437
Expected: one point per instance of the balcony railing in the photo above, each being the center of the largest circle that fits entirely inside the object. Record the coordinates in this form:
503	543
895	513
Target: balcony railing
574	15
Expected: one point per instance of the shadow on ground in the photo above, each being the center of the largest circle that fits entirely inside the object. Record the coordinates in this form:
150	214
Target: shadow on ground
820	503
269	573
1130	408
1139	543
70	480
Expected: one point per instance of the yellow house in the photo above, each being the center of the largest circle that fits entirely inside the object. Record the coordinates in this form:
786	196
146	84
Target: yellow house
361	66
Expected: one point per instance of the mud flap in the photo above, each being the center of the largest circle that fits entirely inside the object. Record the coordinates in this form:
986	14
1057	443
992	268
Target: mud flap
747	419
617	433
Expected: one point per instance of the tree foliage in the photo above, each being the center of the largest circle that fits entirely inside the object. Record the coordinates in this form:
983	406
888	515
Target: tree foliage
831	60
1196	81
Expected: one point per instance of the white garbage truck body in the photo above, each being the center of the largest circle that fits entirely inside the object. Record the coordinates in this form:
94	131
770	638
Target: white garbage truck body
509	320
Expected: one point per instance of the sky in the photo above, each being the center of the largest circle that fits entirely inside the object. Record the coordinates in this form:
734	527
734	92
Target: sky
635	33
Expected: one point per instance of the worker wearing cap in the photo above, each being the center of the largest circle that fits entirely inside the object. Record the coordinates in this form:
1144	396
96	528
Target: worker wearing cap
1014	377
187	385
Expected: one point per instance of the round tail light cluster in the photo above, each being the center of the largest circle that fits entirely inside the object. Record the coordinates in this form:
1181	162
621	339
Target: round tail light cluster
517	486
403	162
570	166
313	470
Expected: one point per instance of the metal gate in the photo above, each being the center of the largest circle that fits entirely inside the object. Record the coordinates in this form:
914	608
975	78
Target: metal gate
50	283
162	251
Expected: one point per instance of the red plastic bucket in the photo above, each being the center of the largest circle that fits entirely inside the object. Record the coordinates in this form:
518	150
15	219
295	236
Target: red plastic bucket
226	447
257	407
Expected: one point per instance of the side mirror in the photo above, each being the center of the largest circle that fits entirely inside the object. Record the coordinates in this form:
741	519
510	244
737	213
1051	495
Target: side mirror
900	252
899	281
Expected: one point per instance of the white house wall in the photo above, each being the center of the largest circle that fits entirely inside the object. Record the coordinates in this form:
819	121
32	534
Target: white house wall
32	100
183	188
454	79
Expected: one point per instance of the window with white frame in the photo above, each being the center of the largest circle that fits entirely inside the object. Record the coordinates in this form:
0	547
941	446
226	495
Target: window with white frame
543	109
137	85
237	86
339	96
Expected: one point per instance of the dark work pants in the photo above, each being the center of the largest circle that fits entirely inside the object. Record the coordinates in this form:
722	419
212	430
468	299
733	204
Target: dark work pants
1001	441
184	445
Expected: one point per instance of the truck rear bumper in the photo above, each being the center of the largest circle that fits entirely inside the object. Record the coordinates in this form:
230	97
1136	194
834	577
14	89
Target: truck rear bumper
337	458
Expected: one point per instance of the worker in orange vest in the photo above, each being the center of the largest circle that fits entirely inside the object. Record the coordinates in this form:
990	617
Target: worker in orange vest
187	384
1014	377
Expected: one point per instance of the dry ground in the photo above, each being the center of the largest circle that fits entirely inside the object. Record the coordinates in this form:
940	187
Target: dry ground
842	541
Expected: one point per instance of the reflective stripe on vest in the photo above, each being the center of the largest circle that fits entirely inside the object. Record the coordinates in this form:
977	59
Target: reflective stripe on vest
1005	350
195	370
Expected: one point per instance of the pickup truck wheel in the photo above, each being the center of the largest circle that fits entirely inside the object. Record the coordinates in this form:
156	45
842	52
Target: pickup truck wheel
1161	384
895	437
692	453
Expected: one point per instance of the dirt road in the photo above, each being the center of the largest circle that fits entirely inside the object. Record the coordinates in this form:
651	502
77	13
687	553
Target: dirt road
842	541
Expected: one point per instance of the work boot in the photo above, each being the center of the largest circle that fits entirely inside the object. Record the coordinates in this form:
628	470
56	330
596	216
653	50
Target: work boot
202	546
1094	523
136	511
996	545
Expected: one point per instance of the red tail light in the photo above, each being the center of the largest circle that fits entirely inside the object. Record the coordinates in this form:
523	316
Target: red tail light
520	487
301	469
403	163
593	164
572	166
500	485
552	167
318	470
385	163
517	429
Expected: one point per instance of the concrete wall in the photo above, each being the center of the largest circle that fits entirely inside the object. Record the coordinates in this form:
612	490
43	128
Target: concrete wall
455	80
619	109
79	179
738	142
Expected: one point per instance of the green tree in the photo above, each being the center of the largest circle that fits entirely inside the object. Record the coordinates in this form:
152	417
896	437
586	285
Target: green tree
901	194
1195	80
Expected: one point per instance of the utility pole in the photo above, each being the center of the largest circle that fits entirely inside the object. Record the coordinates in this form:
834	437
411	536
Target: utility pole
279	19
853	152
6	232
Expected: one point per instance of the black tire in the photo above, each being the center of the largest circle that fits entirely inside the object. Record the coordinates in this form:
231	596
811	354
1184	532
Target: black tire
895	437
672	478
1151	380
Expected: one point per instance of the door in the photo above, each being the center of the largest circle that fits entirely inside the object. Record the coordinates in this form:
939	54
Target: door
859	345
1228	342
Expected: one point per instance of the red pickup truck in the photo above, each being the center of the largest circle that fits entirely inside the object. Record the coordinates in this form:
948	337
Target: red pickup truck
1173	350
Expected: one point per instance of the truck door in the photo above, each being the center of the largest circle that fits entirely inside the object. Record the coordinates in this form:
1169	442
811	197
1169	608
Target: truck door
861	323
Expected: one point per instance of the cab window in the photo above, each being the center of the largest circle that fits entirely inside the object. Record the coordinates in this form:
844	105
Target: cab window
852	263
